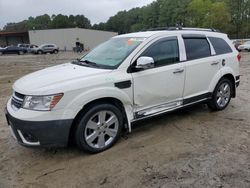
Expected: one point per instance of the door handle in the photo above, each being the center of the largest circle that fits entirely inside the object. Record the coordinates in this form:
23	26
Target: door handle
178	70
215	63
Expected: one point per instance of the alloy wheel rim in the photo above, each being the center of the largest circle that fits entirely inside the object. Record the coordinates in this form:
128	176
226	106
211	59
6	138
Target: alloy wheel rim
101	129
223	95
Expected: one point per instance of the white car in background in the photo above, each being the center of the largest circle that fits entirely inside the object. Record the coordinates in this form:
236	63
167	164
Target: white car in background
245	46
128	78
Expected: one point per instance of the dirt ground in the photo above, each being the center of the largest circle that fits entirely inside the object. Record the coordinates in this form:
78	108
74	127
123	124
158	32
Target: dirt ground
193	147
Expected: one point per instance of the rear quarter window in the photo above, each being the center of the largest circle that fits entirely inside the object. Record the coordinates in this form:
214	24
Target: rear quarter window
220	45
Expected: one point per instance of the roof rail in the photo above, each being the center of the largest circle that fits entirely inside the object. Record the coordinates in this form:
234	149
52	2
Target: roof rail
180	28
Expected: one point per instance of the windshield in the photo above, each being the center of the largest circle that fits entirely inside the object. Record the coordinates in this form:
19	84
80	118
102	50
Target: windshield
113	52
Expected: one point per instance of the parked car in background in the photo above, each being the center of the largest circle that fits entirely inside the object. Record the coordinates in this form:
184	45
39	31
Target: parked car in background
237	43
28	47
13	50
245	46
23	45
46	48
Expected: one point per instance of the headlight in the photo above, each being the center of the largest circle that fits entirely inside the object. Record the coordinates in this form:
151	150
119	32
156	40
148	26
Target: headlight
41	103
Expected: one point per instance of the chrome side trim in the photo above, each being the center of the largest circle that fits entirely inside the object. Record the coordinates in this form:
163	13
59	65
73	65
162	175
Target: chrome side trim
27	142
158	108
168	110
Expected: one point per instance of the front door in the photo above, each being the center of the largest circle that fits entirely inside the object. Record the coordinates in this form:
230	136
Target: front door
160	88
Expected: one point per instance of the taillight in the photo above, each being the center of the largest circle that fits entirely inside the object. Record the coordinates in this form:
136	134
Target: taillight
239	57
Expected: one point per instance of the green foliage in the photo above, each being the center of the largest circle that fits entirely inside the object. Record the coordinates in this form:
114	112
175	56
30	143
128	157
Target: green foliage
230	16
47	22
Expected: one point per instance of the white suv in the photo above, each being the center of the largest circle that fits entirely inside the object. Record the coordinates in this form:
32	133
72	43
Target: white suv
245	46
128	78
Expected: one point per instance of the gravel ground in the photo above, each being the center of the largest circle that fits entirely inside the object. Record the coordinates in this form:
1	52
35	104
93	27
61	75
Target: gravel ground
193	147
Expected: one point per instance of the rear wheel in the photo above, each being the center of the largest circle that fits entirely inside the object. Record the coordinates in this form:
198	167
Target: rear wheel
99	128
55	51
40	52
1	53
221	95
20	52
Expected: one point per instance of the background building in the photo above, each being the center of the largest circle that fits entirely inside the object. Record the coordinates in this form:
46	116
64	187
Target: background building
63	38
13	38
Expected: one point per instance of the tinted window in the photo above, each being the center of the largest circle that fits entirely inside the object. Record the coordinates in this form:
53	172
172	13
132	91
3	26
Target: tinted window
220	46
197	48
164	52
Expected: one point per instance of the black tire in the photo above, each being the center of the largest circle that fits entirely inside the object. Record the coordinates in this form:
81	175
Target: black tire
81	129
1	53
213	103
39	52
55	51
20	53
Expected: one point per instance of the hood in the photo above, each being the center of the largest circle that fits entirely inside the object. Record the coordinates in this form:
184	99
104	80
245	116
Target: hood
39	82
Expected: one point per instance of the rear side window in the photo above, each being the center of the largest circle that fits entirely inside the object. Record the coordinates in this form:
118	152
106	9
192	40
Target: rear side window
220	45
197	48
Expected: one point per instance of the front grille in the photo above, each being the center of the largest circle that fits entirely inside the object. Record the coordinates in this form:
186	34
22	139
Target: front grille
17	100
19	95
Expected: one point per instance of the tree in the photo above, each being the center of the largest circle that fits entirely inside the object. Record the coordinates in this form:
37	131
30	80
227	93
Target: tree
240	15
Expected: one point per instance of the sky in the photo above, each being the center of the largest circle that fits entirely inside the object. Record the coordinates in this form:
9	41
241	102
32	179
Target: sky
96	10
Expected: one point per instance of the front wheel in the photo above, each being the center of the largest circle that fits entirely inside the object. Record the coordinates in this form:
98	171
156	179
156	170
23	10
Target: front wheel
99	128
221	95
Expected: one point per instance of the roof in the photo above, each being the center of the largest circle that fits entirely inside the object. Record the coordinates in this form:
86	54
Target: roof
74	28
11	33
147	34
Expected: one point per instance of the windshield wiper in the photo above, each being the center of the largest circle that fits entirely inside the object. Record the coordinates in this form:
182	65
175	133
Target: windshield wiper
85	63
88	62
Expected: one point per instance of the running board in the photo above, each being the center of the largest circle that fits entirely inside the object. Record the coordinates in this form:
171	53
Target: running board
158	109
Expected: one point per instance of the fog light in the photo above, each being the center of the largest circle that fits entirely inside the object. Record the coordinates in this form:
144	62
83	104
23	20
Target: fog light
29	137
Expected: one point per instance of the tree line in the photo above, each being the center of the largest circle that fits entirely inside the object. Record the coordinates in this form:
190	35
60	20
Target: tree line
49	22
229	16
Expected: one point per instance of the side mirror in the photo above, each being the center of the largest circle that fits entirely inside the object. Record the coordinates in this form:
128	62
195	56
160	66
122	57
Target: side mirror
144	63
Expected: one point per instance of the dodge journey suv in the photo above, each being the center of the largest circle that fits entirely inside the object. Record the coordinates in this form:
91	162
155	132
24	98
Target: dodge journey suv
128	78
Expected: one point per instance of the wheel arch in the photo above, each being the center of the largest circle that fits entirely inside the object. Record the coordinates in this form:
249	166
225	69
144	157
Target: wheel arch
230	77
104	100
225	72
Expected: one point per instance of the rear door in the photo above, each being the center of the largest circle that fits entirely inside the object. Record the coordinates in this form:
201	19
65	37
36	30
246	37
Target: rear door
201	67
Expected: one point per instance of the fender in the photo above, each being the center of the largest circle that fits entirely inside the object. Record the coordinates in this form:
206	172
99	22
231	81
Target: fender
103	92
223	71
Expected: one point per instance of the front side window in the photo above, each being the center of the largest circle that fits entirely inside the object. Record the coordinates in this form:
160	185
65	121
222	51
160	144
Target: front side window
164	52
113	52
197	48
220	45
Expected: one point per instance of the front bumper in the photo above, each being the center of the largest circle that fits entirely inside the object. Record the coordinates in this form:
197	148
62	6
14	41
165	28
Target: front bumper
54	133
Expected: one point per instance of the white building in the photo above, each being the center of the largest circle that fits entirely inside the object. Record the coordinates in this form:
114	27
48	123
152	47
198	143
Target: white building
67	38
